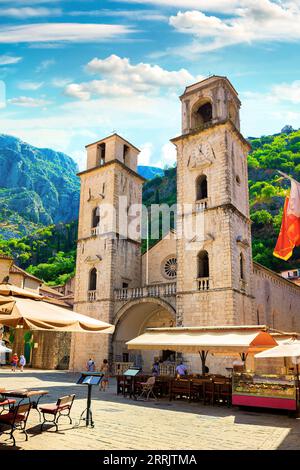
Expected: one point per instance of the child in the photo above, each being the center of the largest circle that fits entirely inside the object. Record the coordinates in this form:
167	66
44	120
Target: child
22	362
14	362
104	381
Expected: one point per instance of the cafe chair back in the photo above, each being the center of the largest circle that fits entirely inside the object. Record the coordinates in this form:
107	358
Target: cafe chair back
16	418
52	412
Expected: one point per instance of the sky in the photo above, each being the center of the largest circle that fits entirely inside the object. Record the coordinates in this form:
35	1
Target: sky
75	71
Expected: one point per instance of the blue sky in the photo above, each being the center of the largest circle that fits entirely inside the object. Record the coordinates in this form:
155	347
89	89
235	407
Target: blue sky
74	70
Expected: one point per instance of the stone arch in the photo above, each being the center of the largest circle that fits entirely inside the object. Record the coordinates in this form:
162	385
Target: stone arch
201	113
131	320
122	311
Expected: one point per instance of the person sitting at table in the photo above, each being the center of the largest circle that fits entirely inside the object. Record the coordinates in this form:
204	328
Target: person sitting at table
181	370
14	362
155	368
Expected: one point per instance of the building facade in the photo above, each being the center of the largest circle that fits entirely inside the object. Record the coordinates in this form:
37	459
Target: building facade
201	275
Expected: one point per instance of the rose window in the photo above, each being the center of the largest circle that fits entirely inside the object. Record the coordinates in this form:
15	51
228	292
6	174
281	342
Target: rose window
170	268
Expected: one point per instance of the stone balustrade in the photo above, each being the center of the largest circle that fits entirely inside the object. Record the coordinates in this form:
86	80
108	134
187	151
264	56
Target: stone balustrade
201	205
203	283
92	295
155	290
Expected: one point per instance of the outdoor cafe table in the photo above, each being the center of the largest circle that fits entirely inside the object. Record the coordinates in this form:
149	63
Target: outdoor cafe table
24	394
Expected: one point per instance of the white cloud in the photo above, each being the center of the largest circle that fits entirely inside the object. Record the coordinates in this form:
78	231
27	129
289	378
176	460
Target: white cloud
61	82
73	32
28	102
29	12
206	5
141	74
8	60
32	86
44	65
287	91
251	21
168	156
146	154
121	78
133	15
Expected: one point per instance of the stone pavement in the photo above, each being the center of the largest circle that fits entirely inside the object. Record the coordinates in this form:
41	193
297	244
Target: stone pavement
121	423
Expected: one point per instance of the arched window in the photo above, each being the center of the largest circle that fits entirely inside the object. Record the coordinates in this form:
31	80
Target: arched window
203	264
202	114
93	279
242	267
95	217
101	154
201	188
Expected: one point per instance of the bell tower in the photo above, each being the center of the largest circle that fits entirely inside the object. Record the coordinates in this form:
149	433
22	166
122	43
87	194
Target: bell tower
108	247
214	275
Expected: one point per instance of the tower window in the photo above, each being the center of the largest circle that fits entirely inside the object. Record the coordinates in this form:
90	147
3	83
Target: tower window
242	267
96	217
201	188
203	264
93	279
126	155
202	115
101	154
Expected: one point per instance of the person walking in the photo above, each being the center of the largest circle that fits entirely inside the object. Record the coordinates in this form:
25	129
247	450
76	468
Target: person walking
104	381
90	365
14	362
22	363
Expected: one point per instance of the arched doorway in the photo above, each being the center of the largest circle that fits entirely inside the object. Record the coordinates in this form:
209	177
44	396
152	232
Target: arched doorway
132	320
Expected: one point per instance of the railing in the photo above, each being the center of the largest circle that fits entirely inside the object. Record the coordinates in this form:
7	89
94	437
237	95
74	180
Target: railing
120	367
155	290
203	283
95	231
92	295
201	205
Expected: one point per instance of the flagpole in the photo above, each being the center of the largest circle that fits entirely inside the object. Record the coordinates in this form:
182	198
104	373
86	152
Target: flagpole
287	176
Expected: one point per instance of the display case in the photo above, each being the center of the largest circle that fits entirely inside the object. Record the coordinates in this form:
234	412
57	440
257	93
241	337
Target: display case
261	390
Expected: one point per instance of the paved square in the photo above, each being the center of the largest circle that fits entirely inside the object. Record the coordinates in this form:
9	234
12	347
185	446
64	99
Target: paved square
121	423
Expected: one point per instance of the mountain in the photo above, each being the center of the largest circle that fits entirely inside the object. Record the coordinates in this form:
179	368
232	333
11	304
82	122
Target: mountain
149	172
50	252
267	191
38	187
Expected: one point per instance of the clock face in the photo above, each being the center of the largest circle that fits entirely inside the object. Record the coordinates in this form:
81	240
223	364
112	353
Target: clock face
201	155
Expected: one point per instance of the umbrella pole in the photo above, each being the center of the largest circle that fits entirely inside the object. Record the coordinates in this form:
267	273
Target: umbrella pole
203	355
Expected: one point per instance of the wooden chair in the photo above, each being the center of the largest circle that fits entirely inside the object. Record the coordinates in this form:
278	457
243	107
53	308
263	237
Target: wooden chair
208	392
197	389
61	408
6	403
16	418
223	394
181	388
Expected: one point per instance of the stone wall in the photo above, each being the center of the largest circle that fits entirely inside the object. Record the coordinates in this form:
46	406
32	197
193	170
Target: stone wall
277	300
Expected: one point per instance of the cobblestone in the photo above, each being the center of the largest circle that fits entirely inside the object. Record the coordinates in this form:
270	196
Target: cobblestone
121	423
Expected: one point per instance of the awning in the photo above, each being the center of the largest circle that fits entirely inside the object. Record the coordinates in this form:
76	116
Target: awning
223	339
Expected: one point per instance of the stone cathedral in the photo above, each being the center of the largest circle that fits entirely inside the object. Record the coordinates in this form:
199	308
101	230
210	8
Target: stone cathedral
205	279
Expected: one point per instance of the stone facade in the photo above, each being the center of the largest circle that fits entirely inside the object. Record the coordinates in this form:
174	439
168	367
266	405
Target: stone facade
50	350
215	281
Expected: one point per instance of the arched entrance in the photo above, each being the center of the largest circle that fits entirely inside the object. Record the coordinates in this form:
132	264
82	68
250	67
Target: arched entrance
132	320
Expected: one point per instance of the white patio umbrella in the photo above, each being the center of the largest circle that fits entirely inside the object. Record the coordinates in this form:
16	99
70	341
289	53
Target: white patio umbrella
289	348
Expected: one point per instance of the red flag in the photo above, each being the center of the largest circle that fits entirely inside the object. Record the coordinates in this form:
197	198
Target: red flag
289	235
